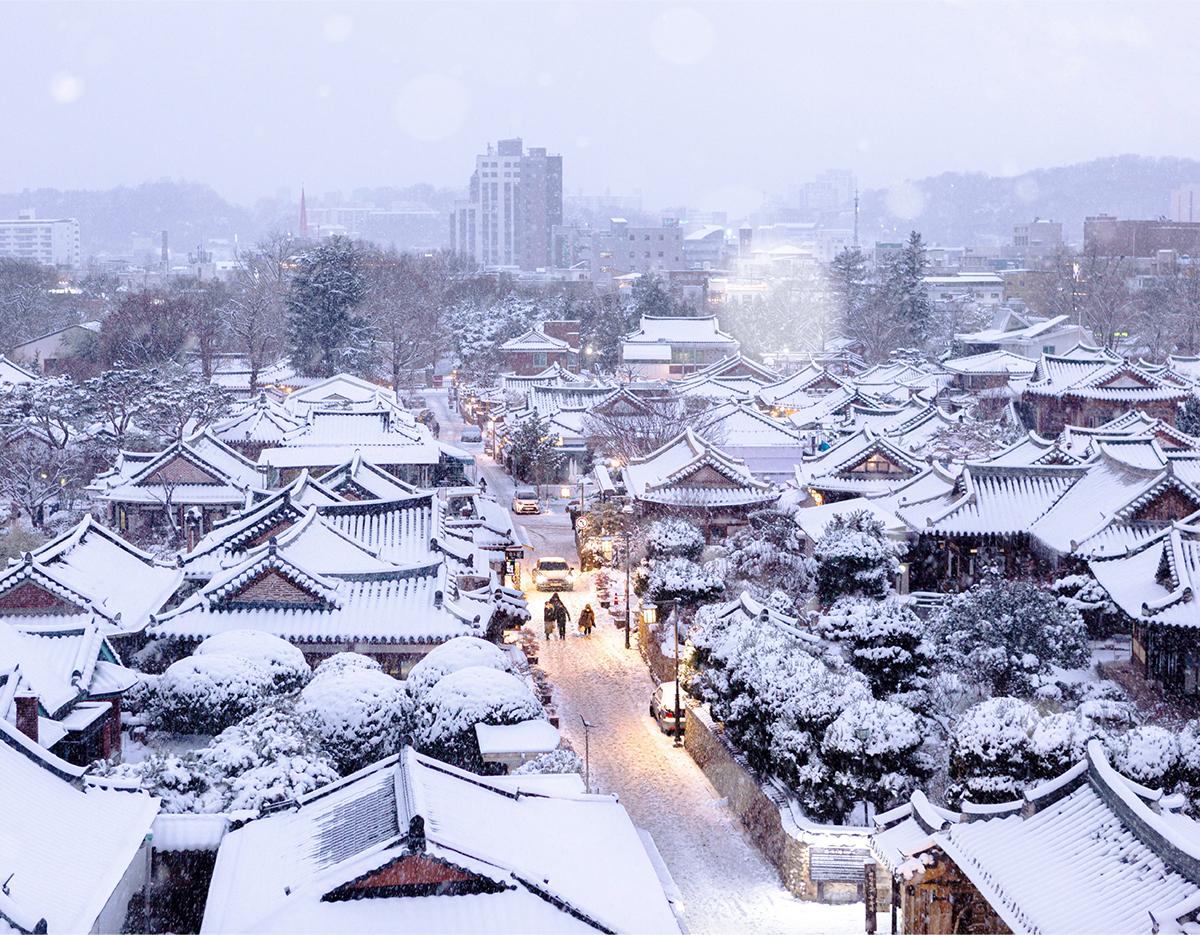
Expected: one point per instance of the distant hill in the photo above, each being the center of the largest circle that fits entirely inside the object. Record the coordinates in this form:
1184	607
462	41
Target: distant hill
958	208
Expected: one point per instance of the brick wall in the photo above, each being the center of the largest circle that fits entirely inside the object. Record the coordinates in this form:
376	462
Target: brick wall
29	596
272	586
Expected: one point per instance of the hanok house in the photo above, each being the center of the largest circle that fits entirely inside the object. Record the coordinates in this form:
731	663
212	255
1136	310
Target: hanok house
395	616
387	437
798	391
341	391
61	681
76	853
691	478
1087	851
1157	586
770	447
534	351
861	465
740	366
1090	386
412	844
667	347
258	424
991	379
359	479
187	487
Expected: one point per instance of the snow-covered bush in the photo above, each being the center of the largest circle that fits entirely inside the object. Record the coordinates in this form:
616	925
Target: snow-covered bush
1058	742
766	556
1084	594
683	580
855	558
561	760
444	717
1147	754
872	750
340	662
775	699
990	751
357	712
885	641
271	756
1007	634
1189	764
452	655
674	538
206	694
280	658
1107	705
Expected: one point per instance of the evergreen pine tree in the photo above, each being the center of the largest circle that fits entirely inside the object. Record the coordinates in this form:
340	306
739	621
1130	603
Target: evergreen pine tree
322	324
904	283
848	274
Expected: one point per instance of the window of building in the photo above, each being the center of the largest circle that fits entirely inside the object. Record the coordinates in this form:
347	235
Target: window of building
540	359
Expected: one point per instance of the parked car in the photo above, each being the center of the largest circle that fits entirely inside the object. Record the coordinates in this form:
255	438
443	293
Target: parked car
553	574
471	434
525	500
662	708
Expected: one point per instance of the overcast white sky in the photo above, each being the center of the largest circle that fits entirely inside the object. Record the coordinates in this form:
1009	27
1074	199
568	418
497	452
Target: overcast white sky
708	104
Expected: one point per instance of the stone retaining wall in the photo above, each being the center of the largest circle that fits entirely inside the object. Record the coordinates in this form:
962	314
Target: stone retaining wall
766	816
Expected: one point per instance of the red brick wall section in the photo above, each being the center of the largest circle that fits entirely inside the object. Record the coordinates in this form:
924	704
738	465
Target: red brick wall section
274	530
27	715
564	330
273	587
413	871
180	471
1169	505
30	596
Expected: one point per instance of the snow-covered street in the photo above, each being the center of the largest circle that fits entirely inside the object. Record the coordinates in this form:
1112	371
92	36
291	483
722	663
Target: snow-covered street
727	886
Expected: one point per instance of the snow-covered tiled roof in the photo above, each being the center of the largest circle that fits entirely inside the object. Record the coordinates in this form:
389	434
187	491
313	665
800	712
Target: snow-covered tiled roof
1100	376
340	390
259	420
844	467
801	387
740	425
399	530
681	330
1158	581
221	475
535	340
991	363
69	844
1083	853
14	374
359	479
738	364
691	472
541	854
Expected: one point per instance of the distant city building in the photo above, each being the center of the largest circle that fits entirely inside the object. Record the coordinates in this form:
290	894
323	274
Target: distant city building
984	288
403	228
704	248
620	249
1040	239
49	242
1185	203
515	201
1105	235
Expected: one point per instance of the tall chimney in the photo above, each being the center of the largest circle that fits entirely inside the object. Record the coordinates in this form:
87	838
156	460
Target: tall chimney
165	257
27	715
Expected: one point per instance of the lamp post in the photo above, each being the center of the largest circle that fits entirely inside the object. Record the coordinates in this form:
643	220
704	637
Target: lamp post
626	515
587	754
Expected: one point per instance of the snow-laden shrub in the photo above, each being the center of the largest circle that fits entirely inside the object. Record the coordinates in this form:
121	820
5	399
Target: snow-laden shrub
452	655
1006	635
872	751
682	580
885	641
766	556
1085	595
1058	742
561	760
206	694
341	662
1106	704
357	712
674	538
855	558
284	661
142	696
990	750
444	717
1148	755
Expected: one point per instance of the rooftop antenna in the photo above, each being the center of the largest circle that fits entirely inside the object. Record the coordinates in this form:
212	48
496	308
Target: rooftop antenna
856	215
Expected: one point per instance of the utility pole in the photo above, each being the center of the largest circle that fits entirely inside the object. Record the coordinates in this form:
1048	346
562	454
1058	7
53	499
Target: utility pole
856	216
587	755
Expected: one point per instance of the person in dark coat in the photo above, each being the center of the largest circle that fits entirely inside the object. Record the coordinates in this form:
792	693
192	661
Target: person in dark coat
549	617
561	614
587	619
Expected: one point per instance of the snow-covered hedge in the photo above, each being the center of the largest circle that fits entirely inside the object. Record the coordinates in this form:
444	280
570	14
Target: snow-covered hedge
1148	755
556	761
990	750
886	642
284	661
674	538
340	662
444	716
683	580
855	558
358	713
452	655
206	694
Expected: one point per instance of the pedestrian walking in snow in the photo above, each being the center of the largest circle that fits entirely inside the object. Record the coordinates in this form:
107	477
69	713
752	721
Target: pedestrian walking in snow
587	619
549	617
561	615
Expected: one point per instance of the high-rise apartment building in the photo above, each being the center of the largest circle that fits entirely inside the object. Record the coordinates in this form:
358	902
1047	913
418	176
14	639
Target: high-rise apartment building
49	242
513	204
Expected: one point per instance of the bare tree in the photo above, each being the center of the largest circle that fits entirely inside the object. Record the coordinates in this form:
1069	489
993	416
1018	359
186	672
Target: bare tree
32	474
1108	305
649	426
254	313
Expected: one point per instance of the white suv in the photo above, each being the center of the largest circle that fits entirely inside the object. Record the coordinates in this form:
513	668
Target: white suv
553	574
525	500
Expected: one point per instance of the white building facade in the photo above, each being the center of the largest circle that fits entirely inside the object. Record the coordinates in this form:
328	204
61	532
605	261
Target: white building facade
51	242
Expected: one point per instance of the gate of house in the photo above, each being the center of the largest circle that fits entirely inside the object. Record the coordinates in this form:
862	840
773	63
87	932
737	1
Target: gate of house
837	865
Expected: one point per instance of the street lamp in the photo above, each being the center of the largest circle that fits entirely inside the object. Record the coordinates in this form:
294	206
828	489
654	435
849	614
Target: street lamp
587	754
650	615
626	515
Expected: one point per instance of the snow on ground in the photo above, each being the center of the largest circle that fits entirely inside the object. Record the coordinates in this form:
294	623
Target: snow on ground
727	885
